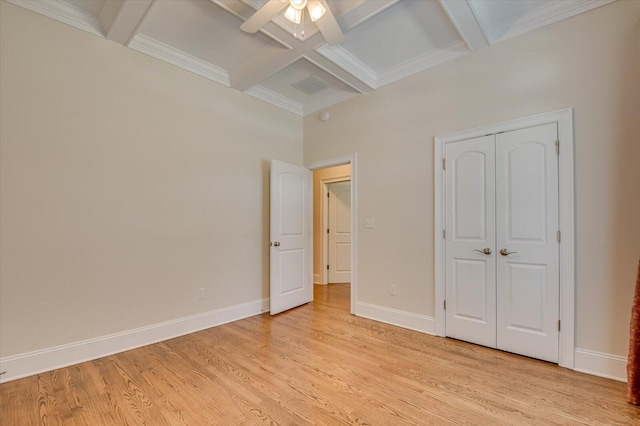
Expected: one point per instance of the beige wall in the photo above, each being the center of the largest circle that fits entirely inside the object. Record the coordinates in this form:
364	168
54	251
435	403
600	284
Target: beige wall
126	184
331	174
590	63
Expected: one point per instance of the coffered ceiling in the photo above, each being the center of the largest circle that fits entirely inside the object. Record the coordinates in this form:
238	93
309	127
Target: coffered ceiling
385	40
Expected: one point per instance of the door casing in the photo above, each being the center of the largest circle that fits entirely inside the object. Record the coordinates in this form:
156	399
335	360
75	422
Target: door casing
564	120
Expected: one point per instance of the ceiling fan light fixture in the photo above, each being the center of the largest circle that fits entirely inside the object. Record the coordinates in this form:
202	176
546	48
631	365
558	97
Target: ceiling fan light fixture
294	15
298	4
316	10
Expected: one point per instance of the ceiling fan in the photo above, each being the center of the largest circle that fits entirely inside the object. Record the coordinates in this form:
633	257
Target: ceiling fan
319	13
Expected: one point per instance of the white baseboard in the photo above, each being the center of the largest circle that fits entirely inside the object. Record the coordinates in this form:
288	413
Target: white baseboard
396	317
600	364
28	364
586	361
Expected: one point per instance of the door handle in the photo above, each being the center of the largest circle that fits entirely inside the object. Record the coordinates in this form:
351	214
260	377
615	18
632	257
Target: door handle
485	250
276	244
506	252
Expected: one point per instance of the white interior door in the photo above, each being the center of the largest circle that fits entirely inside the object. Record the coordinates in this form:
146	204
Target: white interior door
527	242
339	232
470	241
291	261
501	246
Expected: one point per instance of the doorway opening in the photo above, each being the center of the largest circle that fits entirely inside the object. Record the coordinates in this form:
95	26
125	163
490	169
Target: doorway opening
334	206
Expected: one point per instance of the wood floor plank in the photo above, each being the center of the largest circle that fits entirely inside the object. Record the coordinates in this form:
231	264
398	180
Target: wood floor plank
314	365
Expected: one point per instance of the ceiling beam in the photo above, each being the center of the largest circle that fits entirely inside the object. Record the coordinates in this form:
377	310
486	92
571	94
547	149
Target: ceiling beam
243	79
259	68
122	18
363	12
462	17
338	72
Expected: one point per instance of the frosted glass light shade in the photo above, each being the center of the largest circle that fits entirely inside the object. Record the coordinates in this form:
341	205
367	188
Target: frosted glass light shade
316	10
294	15
298	4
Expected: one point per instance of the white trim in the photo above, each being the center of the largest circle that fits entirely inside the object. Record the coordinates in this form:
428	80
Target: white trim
274	98
64	12
420	63
344	59
404	319
548	14
28	364
601	364
164	52
351	159
462	17
564	119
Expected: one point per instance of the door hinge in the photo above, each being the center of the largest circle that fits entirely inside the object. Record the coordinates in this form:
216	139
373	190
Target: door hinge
327	195
327	230
444	164
327	267
559	236
557	147
445	304
558	325
444	234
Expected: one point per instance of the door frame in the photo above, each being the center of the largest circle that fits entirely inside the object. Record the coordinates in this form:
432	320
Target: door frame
340	161
564	119
325	224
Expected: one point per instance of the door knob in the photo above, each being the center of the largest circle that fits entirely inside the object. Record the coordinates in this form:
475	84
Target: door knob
506	252
485	250
276	244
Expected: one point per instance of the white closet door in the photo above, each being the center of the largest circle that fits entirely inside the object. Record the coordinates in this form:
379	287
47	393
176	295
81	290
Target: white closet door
527	246
470	227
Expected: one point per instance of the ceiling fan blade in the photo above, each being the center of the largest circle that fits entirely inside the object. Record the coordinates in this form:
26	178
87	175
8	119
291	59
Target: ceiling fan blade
329	28
263	15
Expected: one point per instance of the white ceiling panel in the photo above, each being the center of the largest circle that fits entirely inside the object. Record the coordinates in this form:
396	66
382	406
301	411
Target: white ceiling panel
201	29
496	17
282	82
91	6
384	40
400	33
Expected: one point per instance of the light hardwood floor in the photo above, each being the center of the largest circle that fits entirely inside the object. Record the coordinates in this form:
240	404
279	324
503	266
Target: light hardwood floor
316	364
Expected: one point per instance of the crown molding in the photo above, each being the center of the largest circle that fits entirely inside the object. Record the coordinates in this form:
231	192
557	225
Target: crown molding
344	59
65	13
177	57
548	14
276	99
420	63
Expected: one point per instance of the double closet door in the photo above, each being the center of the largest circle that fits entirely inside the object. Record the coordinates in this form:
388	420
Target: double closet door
502	241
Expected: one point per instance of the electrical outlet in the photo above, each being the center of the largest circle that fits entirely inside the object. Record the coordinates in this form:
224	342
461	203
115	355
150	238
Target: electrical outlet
392	289
201	293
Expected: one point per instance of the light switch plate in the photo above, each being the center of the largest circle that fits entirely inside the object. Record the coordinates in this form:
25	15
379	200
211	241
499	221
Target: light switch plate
369	223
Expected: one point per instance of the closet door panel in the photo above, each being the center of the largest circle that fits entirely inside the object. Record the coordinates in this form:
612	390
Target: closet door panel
470	225
527	247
